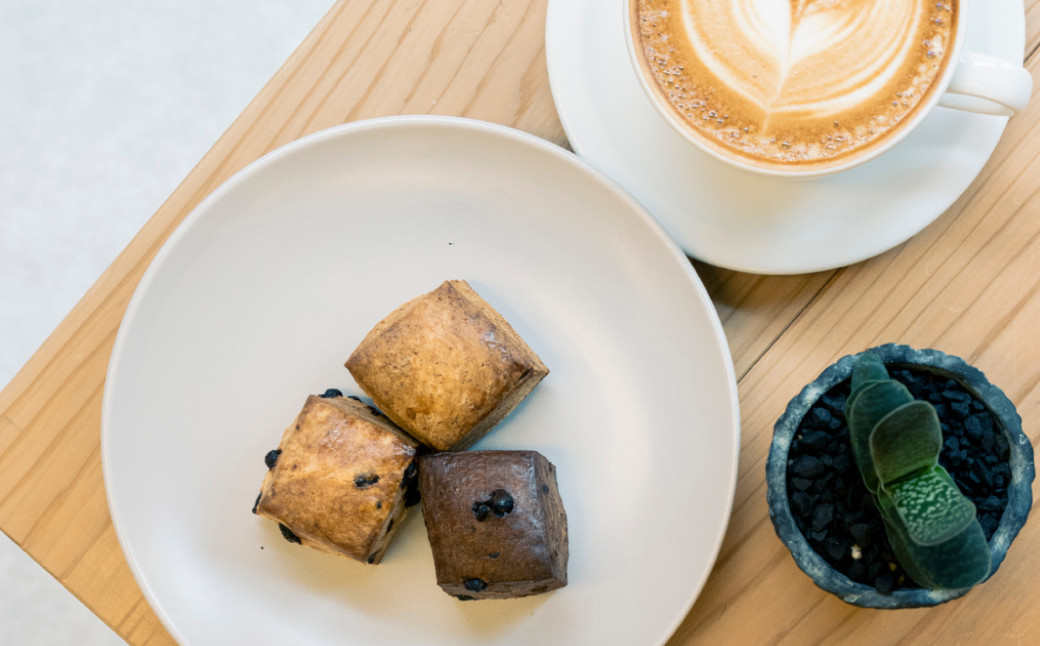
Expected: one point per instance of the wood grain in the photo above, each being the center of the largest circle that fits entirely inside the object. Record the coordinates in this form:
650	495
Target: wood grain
1032	28
969	284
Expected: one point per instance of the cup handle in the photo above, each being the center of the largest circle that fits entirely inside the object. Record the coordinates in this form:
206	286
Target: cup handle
988	85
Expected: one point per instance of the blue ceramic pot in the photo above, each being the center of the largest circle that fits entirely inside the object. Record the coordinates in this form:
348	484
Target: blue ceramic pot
1020	497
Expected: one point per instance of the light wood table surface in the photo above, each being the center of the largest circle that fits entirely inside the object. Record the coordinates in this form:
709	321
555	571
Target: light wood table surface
969	285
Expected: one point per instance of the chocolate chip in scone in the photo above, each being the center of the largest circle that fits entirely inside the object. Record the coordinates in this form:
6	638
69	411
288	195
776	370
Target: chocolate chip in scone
365	480
272	458
257	503
493	555
288	534
481	511
331	392
501	502
474	585
409	475
379	504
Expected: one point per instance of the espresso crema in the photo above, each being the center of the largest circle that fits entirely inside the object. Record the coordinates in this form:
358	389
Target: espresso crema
795	83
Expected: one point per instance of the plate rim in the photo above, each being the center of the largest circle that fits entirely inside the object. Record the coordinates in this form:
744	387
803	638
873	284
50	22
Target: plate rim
275	156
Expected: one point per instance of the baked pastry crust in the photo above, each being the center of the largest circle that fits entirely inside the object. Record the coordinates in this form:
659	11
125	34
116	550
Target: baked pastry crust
446	367
340	481
496	523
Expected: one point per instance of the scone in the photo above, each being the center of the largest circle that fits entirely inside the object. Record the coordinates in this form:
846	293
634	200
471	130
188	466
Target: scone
446	367
340	479
496	523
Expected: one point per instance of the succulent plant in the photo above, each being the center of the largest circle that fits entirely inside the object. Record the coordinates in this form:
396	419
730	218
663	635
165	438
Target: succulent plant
896	442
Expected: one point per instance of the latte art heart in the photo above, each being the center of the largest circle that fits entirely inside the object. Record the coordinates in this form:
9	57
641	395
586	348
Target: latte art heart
828	56
795	81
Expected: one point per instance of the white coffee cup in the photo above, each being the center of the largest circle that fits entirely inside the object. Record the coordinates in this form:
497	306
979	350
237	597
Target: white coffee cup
970	82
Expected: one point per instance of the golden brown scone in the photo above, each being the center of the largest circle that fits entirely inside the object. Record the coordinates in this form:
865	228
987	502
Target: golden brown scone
446	367
496	523
340	479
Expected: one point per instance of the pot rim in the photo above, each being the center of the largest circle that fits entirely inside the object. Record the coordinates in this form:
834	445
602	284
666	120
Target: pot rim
1020	495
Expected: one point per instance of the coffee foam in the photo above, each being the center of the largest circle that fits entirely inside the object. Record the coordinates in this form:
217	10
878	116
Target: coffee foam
795	82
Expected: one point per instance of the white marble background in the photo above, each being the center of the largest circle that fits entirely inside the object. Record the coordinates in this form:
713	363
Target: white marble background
105	106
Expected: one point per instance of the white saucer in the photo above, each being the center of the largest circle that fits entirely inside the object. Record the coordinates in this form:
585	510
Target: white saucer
738	220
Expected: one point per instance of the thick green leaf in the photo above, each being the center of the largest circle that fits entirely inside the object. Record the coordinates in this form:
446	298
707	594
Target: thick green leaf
931	507
959	562
873	401
896	442
906	441
867	367
900	543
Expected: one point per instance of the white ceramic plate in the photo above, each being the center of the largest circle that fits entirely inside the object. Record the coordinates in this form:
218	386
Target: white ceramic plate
736	219
259	297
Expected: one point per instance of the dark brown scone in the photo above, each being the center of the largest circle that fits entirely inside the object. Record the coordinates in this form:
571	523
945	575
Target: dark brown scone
446	367
339	480
496	523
